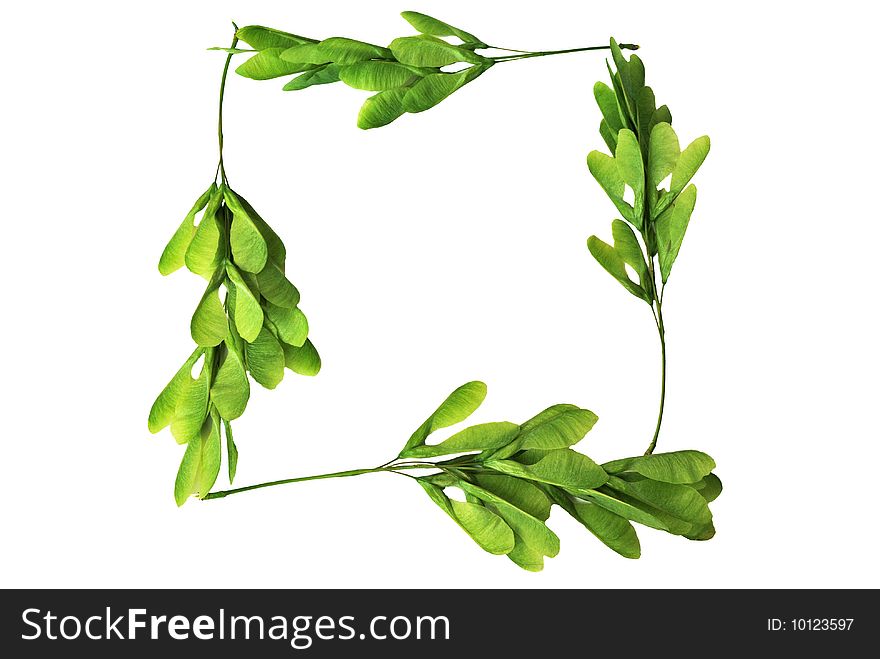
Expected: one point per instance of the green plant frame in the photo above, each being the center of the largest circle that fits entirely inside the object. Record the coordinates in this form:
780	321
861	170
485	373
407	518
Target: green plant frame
248	324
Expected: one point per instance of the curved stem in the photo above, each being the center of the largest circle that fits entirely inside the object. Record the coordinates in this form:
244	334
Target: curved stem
220	168
662	332
657	312
336	474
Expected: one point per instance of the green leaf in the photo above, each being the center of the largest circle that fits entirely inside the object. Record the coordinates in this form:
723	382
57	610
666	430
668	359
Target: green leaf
163	408
382	109
645	108
476	438
173	255
339	50
674	467
606	99
231	389
608	135
192	406
268	64
428	25
614	531
614	265
610	500
265	359
233	339
620	61
437	496
457	407
209	325
207	248
276	288
520	493
627	247
260	37
231	451
604	169
425	50
663	153
530	457
489	531
677	502
704	532
533	531
709	487
201	463
247	313
486	528
249	249
626	112
209	466
433	88
291	324
661	115
563	467
251	280
444	478
304	360
559	426
321	75
632	170
670	228
632	73
184	484
688	163
275	246
376	76
525	556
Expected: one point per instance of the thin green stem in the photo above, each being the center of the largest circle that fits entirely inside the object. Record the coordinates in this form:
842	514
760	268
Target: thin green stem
509	50
544	53
410	464
657	312
336	474
220	168
662	331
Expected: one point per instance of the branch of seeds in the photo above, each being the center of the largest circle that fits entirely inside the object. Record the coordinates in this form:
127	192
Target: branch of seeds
258	329
511	475
408	75
646	153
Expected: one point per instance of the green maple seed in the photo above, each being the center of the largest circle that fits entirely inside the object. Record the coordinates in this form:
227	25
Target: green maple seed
173	256
428	25
163	409
483	437
303	360
231	389
458	406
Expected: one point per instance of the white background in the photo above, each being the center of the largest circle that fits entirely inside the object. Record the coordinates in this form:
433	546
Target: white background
446	247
